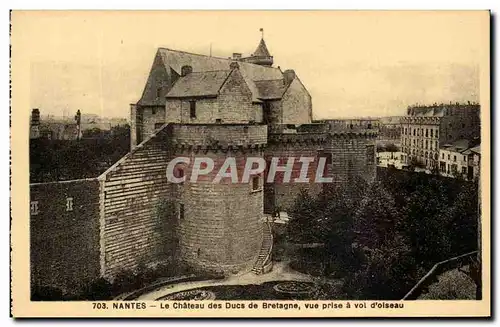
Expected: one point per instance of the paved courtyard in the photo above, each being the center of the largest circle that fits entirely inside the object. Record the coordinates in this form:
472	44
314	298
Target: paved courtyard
281	271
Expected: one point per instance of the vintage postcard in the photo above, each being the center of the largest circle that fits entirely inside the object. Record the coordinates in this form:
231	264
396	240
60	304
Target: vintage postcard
250	164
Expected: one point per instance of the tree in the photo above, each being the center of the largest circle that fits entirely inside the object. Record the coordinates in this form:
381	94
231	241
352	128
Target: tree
388	274
304	214
461	219
424	225
376	218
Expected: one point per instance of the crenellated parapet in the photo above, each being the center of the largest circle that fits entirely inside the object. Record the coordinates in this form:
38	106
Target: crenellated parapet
354	134
297	139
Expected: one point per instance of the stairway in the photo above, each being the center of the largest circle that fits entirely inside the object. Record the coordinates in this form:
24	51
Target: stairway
264	263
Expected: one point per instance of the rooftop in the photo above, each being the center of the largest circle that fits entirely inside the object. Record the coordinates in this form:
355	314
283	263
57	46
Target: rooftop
199	84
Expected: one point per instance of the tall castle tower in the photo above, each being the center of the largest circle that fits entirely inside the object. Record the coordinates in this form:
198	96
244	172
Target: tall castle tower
220	225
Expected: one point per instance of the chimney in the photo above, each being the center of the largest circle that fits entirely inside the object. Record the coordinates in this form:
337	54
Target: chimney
236	56
185	70
234	65
35	117
288	76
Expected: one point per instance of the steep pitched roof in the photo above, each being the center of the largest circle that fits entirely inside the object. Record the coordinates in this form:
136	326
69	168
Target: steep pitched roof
251	72
261	50
271	90
199	84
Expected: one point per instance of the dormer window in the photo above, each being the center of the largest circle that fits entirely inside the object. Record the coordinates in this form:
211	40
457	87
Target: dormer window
192	109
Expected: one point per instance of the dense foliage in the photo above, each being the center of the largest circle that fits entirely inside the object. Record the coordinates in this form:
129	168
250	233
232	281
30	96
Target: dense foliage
384	236
55	160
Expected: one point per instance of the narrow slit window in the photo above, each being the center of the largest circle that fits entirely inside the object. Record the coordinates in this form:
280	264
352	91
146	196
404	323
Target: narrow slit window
34	208
181	211
192	109
255	183
69	204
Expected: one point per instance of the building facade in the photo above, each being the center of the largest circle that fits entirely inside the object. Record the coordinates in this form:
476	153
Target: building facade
389	131
426	129
459	160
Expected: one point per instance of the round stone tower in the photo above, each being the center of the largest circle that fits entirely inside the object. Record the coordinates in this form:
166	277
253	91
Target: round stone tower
220	225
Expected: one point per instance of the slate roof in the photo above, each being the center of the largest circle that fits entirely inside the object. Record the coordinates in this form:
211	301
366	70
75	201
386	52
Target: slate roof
201	63
199	84
271	90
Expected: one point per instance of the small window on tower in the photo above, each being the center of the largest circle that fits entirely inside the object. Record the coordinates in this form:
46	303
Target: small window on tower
181	211
158	92
192	109
180	174
69	204
153	111
255	183
34	208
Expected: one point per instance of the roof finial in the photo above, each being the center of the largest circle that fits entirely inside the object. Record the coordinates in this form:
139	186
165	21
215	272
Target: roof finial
262	32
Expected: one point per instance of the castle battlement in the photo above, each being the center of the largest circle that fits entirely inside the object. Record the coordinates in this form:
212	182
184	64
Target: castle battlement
298	138
355	133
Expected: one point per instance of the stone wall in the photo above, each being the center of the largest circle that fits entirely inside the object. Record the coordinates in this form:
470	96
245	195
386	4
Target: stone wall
233	105
278	194
220	227
296	104
134	226
152	119
220	224
351	155
64	234
219	135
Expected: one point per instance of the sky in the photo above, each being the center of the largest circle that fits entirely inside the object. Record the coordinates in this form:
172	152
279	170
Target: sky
354	64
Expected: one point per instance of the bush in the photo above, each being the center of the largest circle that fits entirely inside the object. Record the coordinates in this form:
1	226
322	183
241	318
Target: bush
46	293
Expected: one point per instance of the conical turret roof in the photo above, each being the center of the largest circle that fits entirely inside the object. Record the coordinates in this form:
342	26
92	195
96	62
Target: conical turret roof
262	50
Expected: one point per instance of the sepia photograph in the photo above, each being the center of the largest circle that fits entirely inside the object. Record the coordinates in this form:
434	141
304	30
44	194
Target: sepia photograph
250	163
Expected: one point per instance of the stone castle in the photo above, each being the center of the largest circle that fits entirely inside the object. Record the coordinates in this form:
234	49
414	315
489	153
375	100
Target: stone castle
196	105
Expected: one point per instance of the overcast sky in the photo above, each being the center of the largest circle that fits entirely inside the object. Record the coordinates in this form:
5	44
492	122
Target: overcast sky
353	63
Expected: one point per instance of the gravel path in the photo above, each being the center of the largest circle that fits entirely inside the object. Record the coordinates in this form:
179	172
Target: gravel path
281	271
